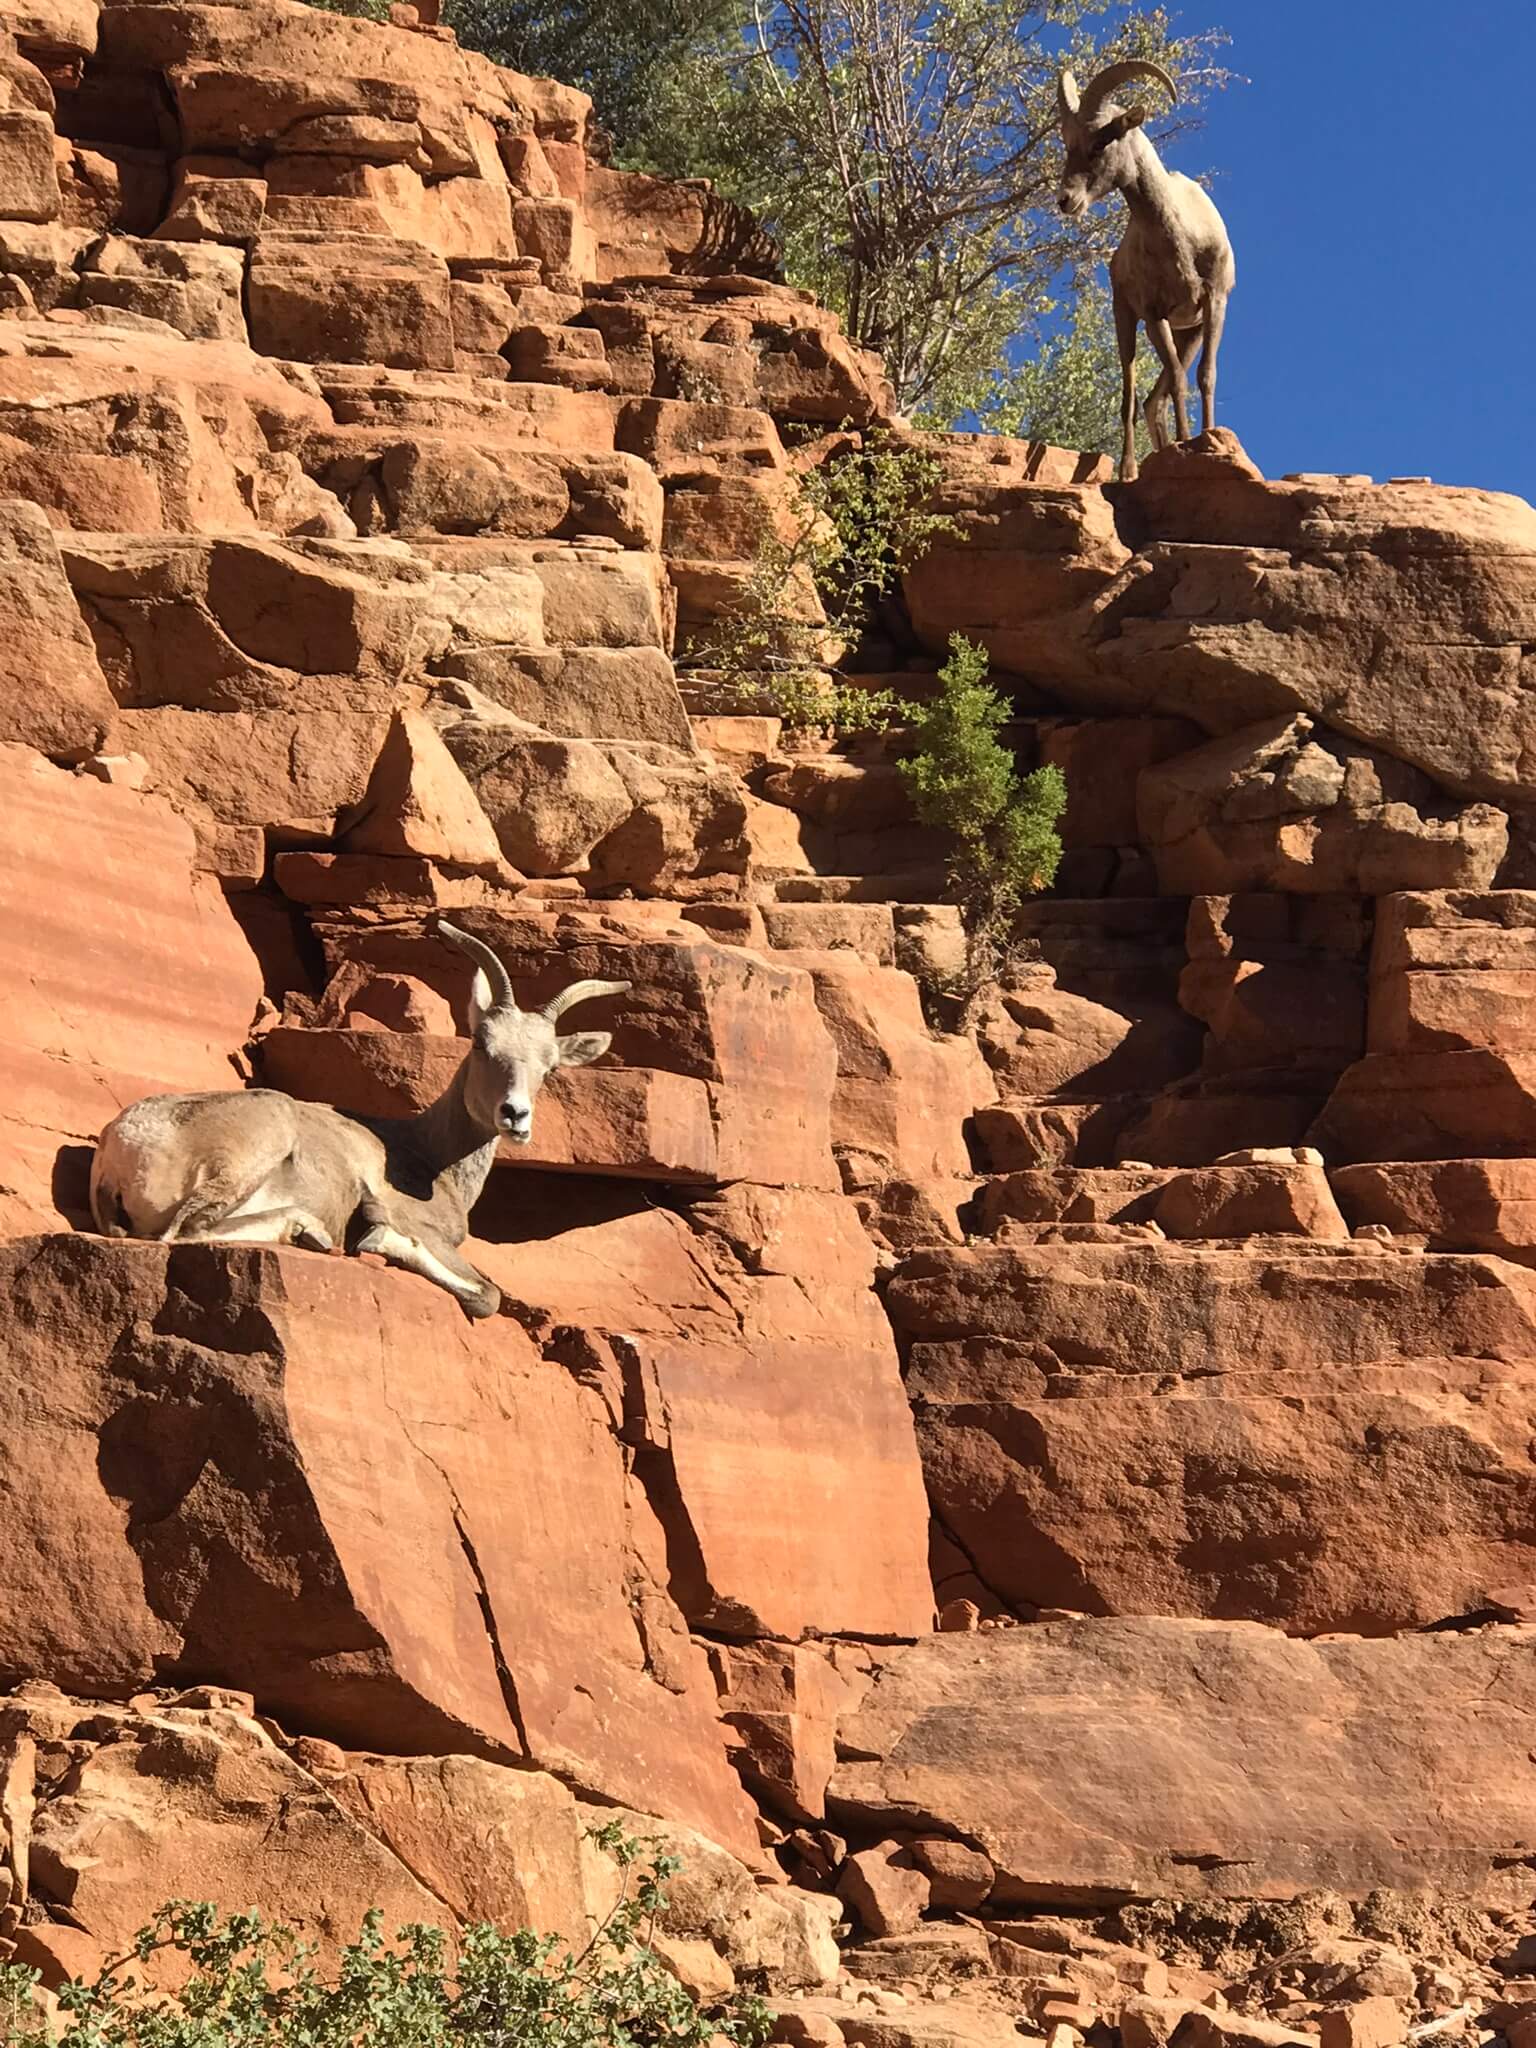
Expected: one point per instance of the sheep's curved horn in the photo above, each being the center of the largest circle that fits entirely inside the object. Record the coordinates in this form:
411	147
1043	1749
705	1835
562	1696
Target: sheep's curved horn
582	992
502	997
1100	88
1068	98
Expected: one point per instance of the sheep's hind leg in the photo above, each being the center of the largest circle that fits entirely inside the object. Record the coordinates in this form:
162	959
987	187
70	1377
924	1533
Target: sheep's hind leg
212	1202
476	1295
1125	337
220	1210
1162	391
1161	335
282	1225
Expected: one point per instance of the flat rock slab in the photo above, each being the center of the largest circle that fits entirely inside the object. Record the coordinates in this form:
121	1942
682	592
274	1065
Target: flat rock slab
1104	1760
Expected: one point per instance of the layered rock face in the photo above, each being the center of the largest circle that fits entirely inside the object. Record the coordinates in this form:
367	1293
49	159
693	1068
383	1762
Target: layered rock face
370	458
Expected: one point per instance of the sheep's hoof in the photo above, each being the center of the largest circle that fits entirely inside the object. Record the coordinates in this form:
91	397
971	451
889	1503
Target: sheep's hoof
486	1303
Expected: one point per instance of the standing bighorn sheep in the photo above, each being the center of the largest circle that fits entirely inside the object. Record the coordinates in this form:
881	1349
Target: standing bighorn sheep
1173	269
260	1167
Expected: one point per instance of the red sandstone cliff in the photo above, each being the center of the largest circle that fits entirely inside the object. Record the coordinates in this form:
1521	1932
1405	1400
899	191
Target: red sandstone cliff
367	454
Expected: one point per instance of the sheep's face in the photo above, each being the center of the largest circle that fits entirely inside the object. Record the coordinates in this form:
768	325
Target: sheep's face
1100	156
512	1055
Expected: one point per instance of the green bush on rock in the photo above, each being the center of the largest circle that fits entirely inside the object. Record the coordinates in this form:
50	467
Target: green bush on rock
250	1984
1004	845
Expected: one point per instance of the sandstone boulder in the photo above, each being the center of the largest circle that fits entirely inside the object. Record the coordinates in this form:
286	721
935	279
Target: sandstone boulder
418	802
1460	1205
782	1700
1024	574
884	1888
904	1093
1431	1105
609	693
1103	760
714	1900
186	1804
134	431
113	1809
1047	1195
686	823
237	1520
755	1363
1040	1040
1392	614
550	802
488	1843
1250	1201
193	288
1280	983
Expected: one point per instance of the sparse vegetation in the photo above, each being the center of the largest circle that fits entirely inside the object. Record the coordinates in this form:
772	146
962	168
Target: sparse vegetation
255	1985
860	521
855	524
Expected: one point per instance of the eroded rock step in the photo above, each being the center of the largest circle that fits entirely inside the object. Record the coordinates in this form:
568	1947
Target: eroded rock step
1315	1435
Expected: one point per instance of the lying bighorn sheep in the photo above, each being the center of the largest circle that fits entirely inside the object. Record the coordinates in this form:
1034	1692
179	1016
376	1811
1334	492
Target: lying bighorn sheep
1174	267
260	1167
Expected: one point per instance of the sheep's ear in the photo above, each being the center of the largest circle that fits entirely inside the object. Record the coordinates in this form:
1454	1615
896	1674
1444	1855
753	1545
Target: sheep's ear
579	1048
1118	126
481	1000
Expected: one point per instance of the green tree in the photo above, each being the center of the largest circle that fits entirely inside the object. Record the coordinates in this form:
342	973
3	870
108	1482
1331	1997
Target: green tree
624	52
906	156
248	1984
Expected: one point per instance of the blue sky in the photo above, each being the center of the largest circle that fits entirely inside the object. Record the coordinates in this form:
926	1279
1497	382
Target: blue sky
1378	178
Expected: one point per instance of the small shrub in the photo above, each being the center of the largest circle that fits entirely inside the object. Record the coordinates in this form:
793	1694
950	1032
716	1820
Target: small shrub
254	1985
859	521
1004	843
359	10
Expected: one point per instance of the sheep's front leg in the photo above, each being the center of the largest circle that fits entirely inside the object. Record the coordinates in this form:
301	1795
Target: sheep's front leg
1161	335
1125	336
476	1295
1215	320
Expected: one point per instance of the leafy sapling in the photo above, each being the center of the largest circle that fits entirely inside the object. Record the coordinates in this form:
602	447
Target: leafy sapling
1004	845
